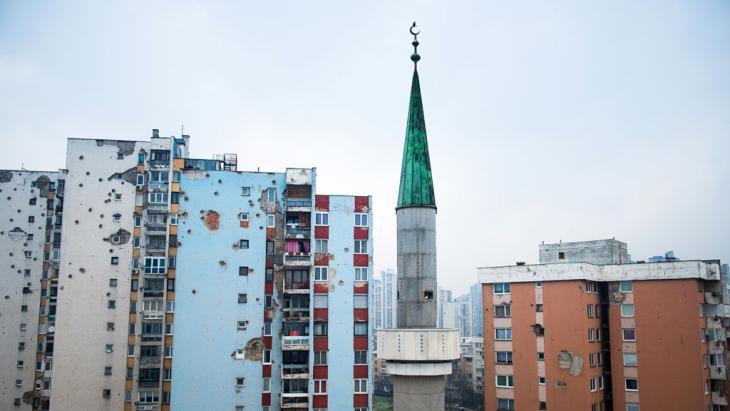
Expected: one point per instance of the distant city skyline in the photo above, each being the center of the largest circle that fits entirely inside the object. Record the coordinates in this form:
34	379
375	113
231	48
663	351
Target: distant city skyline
546	121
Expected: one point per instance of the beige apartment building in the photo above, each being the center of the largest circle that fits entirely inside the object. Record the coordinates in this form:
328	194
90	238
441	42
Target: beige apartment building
591	331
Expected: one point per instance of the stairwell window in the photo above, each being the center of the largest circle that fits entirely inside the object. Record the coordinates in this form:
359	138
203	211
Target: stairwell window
270	220
361	220
361	329
361	246
361	273
505	381
501	288
627	310
632	384
320	246
625	287
629	359
361	386
321	274
321	218
503	334
504	357
629	334
503	311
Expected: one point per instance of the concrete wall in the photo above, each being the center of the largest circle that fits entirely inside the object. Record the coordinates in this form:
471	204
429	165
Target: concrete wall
417	291
85	271
595	252
20	271
208	284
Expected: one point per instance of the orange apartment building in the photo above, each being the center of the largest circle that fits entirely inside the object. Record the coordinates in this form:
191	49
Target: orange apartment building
587	330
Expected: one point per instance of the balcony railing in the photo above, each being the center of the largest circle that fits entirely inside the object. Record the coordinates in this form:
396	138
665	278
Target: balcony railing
297	231
148	407
151	337
296	288
295	342
149	383
296	314
153	315
297	260
299	203
294	400
149	361
717	372
295	371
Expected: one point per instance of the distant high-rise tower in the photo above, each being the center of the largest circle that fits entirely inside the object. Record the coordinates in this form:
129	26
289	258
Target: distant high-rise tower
418	354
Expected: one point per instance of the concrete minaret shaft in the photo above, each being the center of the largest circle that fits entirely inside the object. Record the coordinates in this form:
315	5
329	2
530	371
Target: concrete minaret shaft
418	355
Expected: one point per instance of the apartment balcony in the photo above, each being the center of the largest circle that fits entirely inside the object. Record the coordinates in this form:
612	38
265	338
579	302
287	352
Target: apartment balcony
296	288
298	260
151	337
150	361
718	372
719	398
713	298
148	407
294	231
149	383
157	206
294	400
295	371
291	343
296	314
299	204
152	292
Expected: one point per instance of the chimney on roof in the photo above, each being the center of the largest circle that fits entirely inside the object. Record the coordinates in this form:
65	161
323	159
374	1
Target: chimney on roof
155	133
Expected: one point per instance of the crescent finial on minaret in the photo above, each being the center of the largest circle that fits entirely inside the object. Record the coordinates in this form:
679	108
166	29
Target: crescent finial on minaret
415	31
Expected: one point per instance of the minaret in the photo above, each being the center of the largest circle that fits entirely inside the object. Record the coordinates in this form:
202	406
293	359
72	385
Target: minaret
418	355
416	217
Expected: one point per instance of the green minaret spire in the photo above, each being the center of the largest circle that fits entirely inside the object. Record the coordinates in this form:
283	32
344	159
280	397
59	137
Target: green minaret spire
416	183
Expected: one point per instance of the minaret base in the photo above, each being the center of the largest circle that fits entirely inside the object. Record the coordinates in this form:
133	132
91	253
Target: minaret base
424	393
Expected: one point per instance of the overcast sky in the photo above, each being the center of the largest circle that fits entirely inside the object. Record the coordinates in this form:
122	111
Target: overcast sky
547	121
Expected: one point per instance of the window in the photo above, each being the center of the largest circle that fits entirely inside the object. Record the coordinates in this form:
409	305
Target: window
599	357
714	334
117	197
361	246
505	381
149	396
541	356
168	351
24	308
241	325
245	191
171	284
361	220
632	384
243	244
159	176
130	351
320	246
106	393
110	348
361	329
598	311
242	270
629	334
592	360
538	308
594	386
503	311
32	201
561	255
242	298
361	273
320	300
361	357
361	301
271	195
239	381
140	180
173	219
538	284
716	360
111	304
110	326
632	406
115	260
591	334
503	334
267	328
112	282
320	274
501	288
320	358
601	382
243	216
267	356
504	357
361	386
132	327
157	198
107	370
541	380
267	384
590	287
31	219
589	310
321	218
320	386
627	310
320	328
270	220
629	360
154	265
168	328
625	286
505	404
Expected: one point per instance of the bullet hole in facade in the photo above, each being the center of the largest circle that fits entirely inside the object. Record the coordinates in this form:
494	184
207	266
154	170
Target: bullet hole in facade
81	184
82	270
87	173
81	157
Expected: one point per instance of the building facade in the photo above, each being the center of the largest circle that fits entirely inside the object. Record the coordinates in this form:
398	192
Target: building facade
604	335
268	280
30	239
